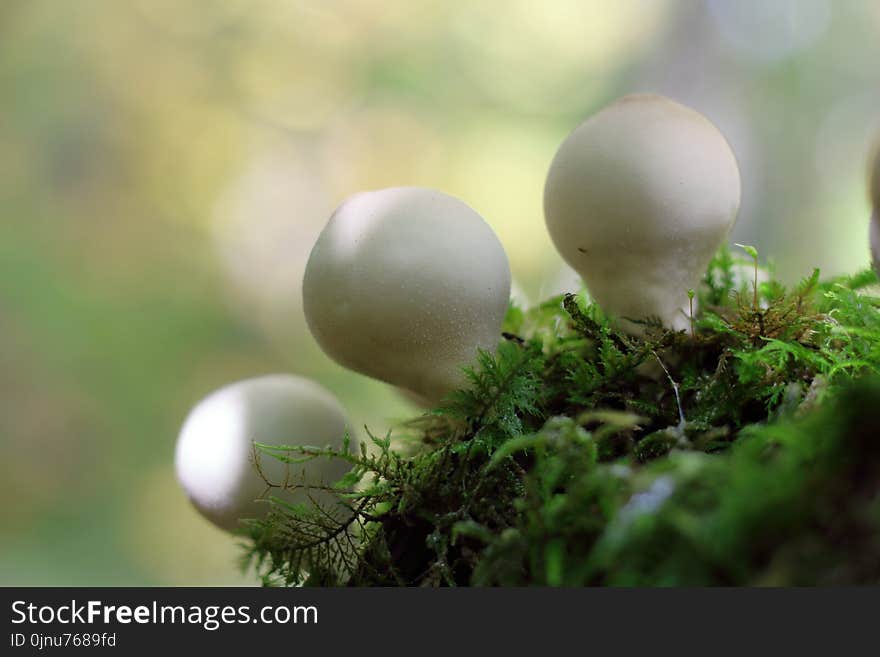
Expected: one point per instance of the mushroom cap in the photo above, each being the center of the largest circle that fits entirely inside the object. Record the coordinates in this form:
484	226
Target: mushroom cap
637	200
404	285
214	458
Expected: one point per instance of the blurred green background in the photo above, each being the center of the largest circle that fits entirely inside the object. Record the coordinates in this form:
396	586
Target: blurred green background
166	165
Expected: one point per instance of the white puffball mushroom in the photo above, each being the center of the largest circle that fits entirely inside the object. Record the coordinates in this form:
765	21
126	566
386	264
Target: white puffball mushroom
214	457
404	285
637	200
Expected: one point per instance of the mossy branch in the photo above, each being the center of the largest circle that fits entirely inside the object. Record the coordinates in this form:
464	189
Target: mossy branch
742	452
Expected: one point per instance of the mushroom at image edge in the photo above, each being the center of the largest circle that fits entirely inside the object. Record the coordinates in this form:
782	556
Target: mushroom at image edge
405	285
637	200
214	458
874	191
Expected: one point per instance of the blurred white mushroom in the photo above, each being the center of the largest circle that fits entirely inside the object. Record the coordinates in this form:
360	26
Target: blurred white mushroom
638	199
518	296
214	458
405	285
744	279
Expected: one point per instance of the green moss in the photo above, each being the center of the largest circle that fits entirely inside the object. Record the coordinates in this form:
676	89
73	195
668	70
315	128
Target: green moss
746	453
